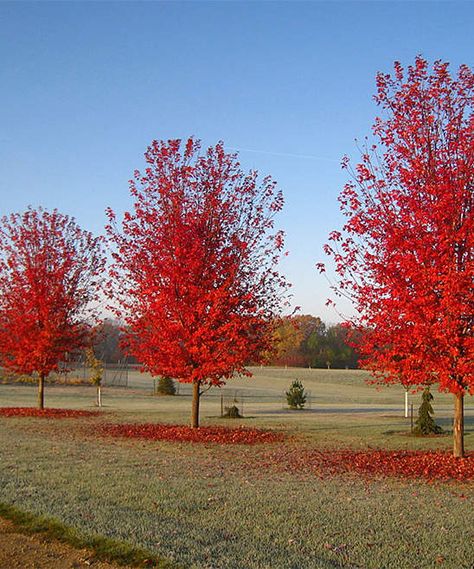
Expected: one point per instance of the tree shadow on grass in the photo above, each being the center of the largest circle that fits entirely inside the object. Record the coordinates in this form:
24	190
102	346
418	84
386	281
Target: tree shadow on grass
446	423
327	411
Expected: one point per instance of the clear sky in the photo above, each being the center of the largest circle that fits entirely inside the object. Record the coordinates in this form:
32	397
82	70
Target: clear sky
85	87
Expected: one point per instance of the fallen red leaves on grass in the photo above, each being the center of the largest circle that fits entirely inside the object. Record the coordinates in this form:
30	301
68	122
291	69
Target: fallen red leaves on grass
47	413
182	433
429	465
417	464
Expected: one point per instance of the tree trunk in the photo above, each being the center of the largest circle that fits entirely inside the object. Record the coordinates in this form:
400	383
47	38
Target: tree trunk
195	409
99	397
458	425
41	391
406	403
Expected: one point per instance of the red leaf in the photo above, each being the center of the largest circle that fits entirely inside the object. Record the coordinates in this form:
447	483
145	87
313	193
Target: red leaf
182	433
46	413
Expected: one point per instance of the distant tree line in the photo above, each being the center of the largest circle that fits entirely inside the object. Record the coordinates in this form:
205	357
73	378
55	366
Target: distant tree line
306	341
107	341
299	341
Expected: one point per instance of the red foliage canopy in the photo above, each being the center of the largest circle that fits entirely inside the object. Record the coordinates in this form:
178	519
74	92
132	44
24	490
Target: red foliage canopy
194	263
49	274
406	255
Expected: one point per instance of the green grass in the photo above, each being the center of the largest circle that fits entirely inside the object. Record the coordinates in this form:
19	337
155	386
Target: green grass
207	506
103	549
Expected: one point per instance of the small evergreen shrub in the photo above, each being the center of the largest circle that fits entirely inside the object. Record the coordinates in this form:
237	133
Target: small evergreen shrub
296	396
425	424
166	386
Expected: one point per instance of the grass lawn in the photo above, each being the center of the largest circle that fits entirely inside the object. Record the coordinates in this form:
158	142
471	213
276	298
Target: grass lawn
211	506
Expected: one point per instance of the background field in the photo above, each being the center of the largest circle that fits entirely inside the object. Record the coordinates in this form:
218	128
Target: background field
208	506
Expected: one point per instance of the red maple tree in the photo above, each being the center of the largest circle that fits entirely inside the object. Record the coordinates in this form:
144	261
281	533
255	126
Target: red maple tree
49	274
195	265
406	253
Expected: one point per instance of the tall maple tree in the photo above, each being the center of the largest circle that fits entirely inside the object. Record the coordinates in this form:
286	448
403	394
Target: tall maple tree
50	271
406	253
195	265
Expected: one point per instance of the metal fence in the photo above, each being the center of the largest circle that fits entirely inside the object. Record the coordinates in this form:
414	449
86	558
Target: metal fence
77	372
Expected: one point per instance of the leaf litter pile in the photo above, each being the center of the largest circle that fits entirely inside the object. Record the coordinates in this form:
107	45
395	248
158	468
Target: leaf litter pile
428	465
292	458
182	433
46	413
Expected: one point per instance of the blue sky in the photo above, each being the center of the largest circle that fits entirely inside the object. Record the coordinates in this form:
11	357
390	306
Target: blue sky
85	87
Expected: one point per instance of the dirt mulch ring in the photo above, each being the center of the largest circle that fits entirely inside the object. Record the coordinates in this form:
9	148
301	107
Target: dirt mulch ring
19	551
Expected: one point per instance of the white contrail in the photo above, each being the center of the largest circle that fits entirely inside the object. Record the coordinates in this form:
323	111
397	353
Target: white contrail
290	154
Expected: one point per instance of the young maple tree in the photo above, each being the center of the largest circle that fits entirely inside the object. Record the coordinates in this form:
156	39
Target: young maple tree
195	265
406	253
49	274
